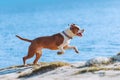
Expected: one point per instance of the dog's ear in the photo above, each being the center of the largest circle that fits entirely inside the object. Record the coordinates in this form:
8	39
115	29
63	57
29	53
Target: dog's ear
72	24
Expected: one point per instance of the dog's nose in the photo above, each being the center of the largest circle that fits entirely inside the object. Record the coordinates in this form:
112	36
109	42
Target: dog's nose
82	30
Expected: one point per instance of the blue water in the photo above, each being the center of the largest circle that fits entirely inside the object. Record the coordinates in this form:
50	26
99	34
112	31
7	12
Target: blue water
33	18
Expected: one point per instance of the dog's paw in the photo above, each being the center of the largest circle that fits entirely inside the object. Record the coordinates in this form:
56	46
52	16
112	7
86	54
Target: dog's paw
25	65
77	51
59	53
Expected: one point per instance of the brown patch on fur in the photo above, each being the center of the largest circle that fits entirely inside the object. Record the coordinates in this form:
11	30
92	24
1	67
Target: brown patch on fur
74	29
49	42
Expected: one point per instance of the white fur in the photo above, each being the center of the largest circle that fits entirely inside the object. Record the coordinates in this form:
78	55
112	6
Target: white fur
69	32
66	39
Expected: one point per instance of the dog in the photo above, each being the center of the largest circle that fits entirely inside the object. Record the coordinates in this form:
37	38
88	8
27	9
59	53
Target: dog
59	41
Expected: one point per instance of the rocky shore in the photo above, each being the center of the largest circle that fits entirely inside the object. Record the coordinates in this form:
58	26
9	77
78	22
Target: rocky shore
100	68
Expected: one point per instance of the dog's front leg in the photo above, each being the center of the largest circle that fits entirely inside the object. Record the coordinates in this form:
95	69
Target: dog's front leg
61	51
73	47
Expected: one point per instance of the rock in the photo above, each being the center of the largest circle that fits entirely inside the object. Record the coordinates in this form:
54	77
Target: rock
79	64
118	53
98	61
116	58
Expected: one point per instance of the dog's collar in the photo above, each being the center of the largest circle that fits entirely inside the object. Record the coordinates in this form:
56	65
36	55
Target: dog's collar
66	35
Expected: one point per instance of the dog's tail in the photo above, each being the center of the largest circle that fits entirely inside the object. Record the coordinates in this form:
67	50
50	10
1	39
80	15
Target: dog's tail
23	39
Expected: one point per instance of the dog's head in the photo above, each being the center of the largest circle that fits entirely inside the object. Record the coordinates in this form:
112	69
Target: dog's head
76	30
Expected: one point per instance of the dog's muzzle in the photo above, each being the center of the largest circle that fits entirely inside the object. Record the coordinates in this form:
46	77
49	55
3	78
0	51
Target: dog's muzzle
80	33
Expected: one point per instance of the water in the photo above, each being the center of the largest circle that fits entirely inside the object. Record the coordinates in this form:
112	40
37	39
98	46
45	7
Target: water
31	19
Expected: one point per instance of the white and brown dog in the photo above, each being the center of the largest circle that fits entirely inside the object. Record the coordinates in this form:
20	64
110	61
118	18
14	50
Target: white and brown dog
59	41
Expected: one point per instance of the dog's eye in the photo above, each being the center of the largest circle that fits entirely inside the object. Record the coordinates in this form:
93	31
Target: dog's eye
78	29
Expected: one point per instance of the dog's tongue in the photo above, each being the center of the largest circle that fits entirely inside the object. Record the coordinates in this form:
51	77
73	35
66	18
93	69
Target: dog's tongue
79	34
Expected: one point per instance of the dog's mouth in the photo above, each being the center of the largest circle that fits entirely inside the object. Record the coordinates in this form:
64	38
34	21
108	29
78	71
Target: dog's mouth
80	33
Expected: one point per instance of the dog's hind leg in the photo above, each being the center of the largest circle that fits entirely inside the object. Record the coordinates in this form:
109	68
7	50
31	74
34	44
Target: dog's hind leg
30	54
38	55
